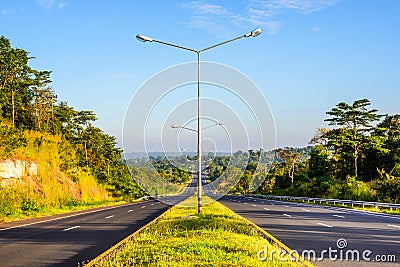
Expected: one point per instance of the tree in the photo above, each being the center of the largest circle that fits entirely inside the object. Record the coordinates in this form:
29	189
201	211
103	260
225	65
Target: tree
44	102
356	120
29	103
15	80
320	137
289	157
389	133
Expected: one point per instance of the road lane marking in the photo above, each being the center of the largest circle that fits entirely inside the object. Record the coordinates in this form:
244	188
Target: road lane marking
65	217
338	216
152	204
143	207
130	210
74	227
254	205
326	225
108	217
245	203
305	209
266	208
286	206
359	212
287	215
392	225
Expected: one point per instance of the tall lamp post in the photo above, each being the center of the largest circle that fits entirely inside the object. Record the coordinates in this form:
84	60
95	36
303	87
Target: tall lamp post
144	38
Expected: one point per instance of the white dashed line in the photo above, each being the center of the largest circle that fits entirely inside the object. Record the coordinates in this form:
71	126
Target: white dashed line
286	206
63	217
305	209
266	208
338	216
392	225
254	205
364	212
287	215
152	204
326	225
71	228
130	210
108	217
143	207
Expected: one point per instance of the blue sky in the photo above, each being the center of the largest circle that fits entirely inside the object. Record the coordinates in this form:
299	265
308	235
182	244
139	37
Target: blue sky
311	55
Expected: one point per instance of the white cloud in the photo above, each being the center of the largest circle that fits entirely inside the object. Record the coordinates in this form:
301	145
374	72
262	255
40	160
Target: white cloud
49	4
61	5
257	13
305	6
316	29
205	8
4	12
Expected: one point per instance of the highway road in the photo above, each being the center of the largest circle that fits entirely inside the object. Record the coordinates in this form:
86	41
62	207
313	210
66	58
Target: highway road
311	228
71	239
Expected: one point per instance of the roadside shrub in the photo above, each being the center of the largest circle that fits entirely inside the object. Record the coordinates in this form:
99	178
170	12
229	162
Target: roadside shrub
353	189
29	204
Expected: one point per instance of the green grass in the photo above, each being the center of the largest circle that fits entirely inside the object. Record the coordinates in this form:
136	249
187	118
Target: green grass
218	237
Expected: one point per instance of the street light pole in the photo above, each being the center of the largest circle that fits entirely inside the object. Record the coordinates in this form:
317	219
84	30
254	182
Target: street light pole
144	38
199	183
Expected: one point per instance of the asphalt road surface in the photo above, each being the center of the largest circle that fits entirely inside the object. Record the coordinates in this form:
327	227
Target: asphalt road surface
70	240
343	232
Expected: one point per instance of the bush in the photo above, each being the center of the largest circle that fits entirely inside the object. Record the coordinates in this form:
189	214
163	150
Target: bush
388	188
352	189
29	205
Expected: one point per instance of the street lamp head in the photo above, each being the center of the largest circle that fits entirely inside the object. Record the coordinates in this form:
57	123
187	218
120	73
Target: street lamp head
144	38
175	126
254	33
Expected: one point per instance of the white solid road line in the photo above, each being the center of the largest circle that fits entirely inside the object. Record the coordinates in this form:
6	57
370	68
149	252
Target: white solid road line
326	225
108	217
338	216
392	225
74	227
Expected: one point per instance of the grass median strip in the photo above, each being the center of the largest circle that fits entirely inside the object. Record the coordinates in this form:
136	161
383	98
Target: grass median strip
180	237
